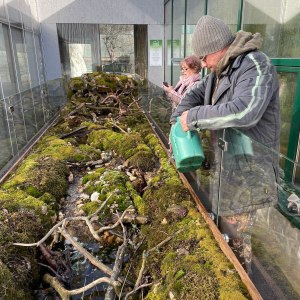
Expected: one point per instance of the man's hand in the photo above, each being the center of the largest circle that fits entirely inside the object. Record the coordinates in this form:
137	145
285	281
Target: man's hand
183	122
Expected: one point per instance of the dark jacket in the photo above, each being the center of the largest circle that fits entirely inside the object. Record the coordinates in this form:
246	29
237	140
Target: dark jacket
244	95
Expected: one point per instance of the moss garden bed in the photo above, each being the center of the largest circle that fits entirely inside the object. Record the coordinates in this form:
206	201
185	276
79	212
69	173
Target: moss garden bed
103	138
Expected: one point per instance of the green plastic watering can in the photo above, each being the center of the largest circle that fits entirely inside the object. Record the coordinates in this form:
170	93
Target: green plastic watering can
187	148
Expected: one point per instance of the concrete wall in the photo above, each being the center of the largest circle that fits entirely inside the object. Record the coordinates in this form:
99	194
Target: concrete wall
97	12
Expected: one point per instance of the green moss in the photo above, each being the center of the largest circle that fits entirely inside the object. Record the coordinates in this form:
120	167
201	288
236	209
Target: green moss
8	288
33	191
45	175
104	139
90	207
137	199
92	176
143	160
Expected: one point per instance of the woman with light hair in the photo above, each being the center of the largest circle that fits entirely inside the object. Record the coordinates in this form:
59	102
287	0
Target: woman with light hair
190	68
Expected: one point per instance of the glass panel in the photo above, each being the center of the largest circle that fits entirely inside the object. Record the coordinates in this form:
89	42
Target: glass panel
13	13
5	136
225	10
117	48
16	120
8	82
279	26
287	97
79	48
25	12
38	106
29	114
31	58
57	96
21	59
297	167
253	211
168	37
178	38
2	10
195	9
34	15
80	59
39	58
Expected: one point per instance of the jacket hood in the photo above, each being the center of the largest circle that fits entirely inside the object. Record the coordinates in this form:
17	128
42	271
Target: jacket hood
243	42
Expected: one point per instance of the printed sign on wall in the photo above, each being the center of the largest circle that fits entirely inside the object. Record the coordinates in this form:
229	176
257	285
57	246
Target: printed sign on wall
155	53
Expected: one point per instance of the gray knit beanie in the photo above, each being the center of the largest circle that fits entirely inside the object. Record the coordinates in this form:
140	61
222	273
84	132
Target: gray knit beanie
211	35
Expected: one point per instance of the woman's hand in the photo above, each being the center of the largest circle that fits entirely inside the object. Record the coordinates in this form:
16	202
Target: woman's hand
168	88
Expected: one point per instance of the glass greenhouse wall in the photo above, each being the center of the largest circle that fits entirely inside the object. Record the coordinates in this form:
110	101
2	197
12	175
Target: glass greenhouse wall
27	101
235	185
277	22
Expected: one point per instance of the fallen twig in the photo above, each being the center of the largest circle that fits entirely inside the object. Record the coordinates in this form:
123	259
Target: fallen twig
65	294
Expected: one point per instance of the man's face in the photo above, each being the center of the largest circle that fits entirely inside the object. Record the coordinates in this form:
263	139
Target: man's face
211	61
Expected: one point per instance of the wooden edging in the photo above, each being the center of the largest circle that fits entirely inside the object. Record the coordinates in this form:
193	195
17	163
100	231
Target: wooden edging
254	293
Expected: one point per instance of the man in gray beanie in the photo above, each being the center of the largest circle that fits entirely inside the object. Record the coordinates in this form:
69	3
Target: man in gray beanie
237	100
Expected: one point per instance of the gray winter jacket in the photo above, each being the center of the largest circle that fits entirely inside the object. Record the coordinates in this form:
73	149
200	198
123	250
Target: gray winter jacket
243	94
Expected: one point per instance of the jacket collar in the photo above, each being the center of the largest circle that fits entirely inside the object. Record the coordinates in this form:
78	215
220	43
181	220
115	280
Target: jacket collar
244	42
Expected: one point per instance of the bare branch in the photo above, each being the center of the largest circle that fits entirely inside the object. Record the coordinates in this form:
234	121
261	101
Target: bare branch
65	294
86	254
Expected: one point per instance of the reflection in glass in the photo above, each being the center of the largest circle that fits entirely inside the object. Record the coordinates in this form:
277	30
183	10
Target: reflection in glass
13	13
225	10
6	151
30	49
237	183
178	39
8	80
16	120
287	97
29	114
168	37
195	9
20	59
39	58
117	48
279	26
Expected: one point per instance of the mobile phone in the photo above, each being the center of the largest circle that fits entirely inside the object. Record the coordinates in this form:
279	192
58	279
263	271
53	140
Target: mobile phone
165	83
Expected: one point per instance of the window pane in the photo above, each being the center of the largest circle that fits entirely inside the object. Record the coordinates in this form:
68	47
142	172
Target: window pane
297	167
5	136
2	10
117	47
31	58
29	114
225	10
178	37
13	12
195	9
21	59
25	13
279	26
168	32
16	120
287	98
39	58
8	81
